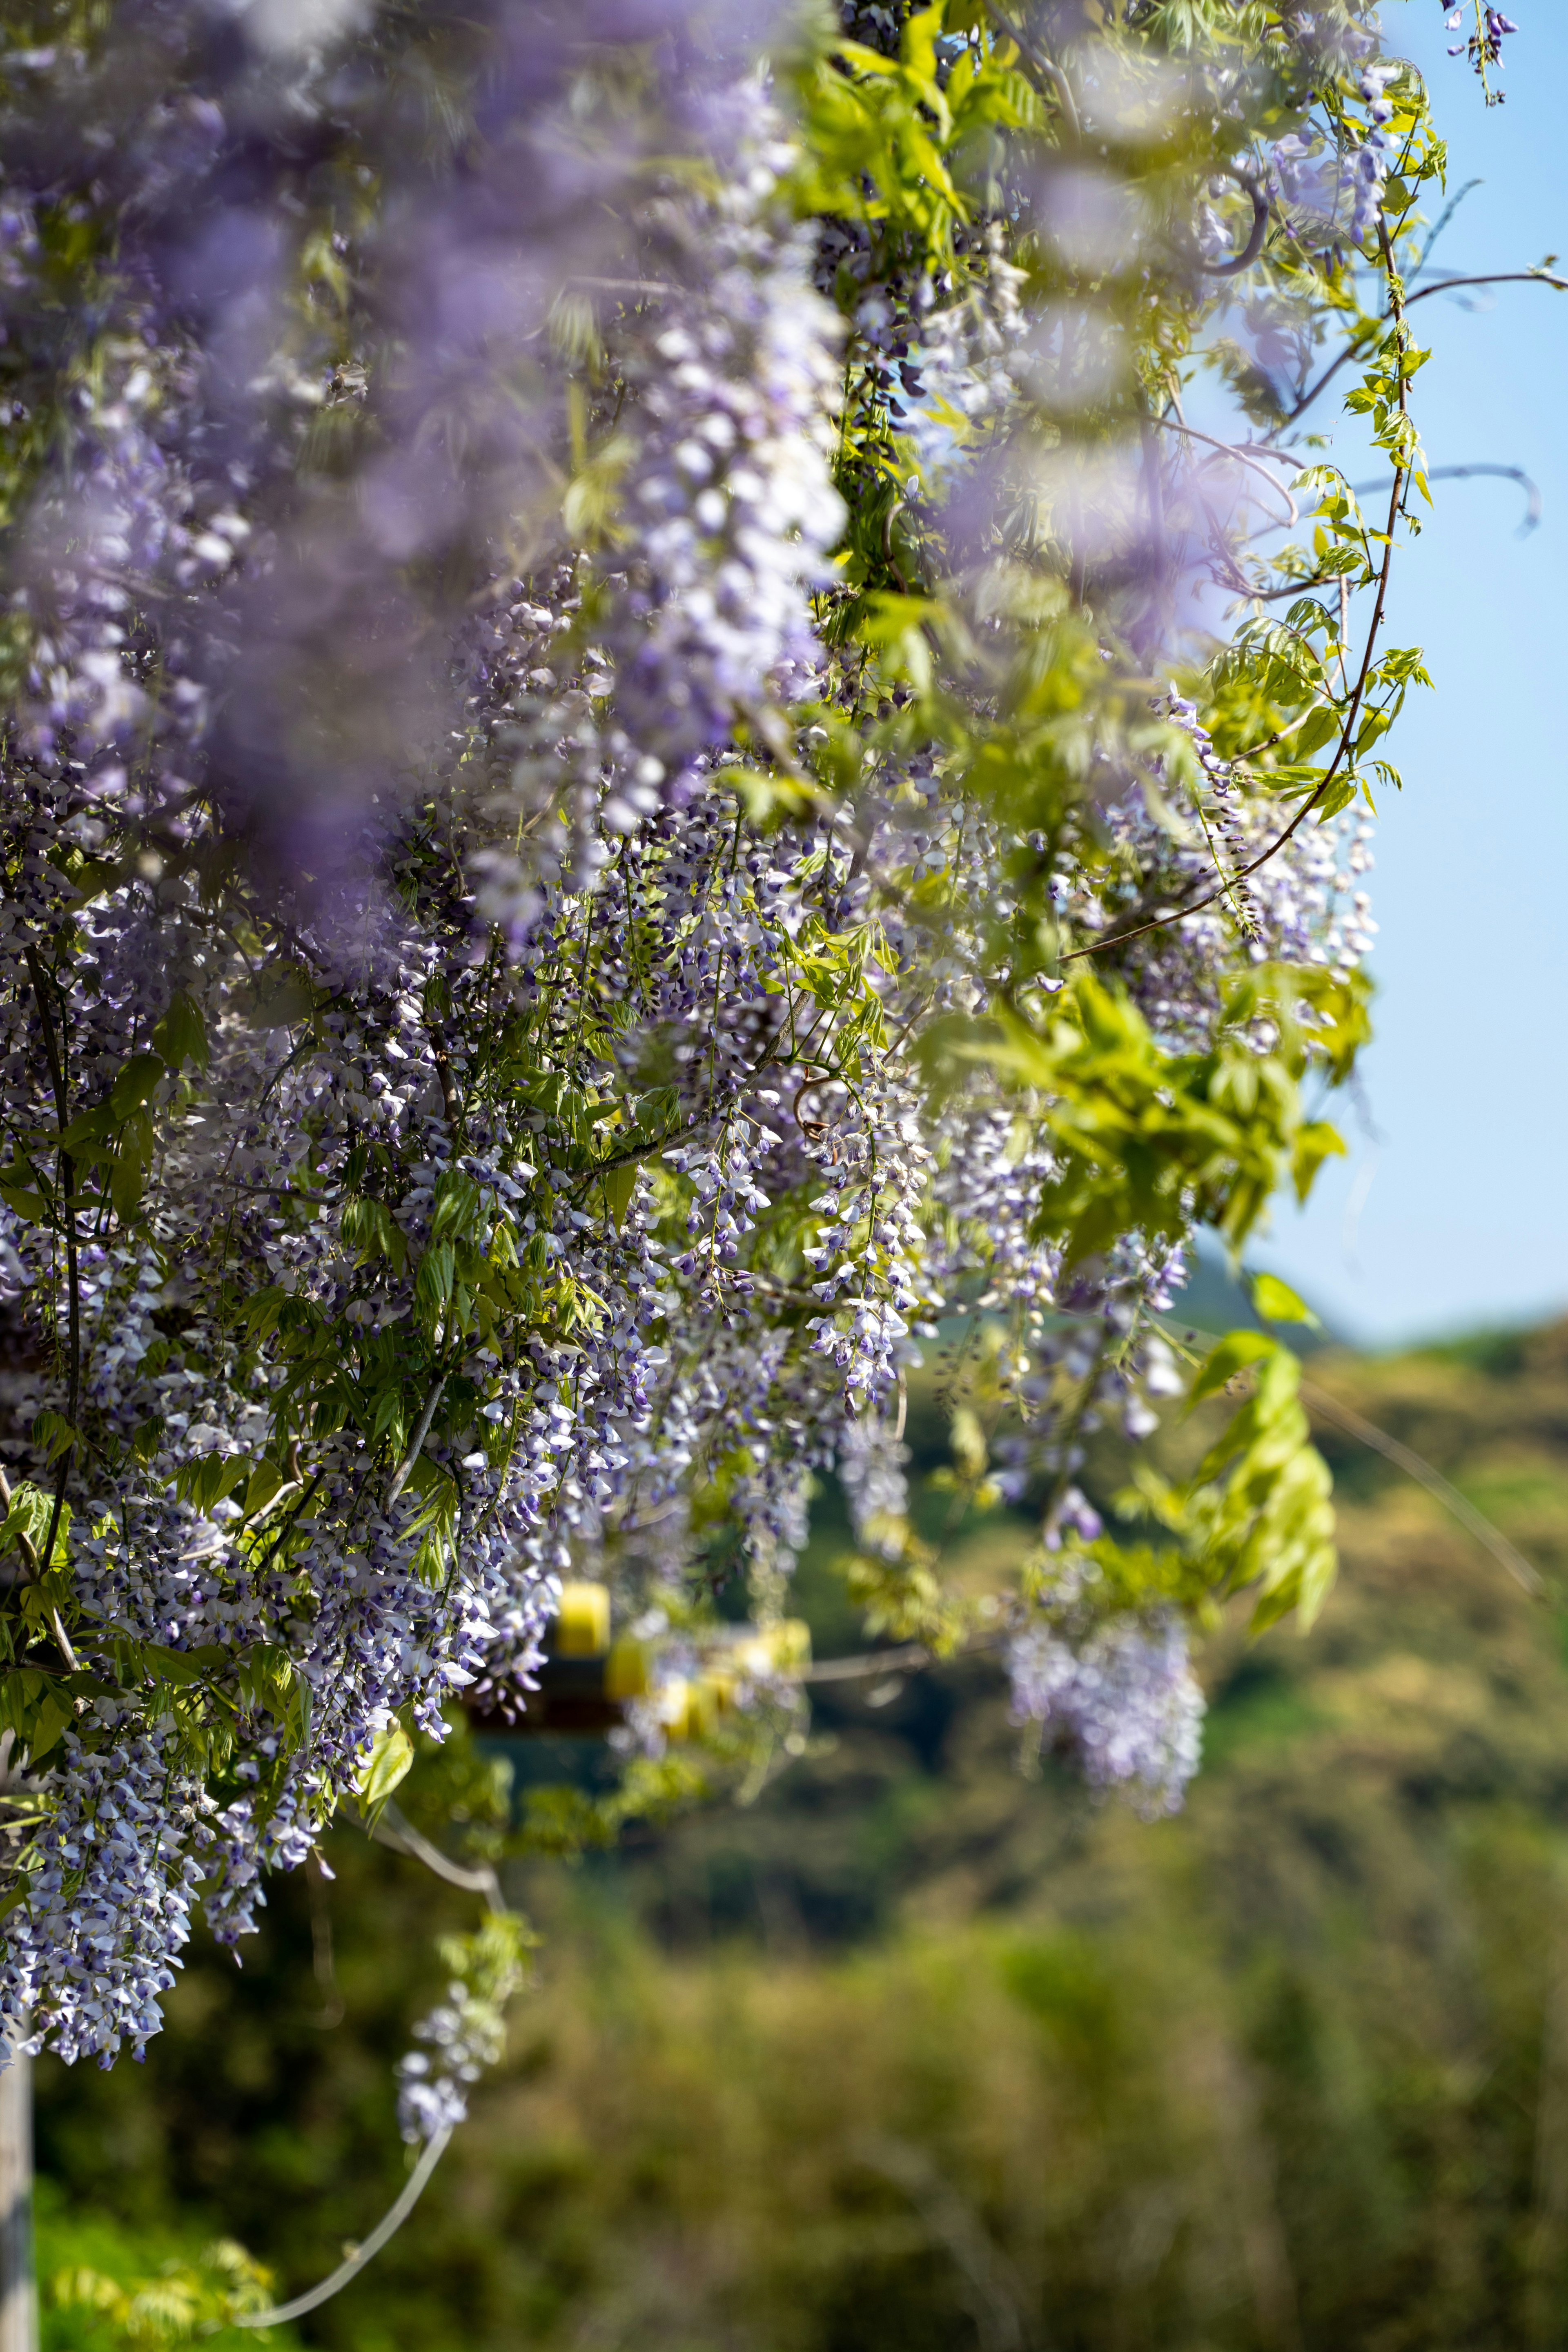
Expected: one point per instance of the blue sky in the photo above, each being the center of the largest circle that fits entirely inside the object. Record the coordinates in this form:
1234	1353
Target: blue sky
1457	1215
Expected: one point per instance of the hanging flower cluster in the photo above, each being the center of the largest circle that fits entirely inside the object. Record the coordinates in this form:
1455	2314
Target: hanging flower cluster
466	2032
587	858
1483	46
1123	1699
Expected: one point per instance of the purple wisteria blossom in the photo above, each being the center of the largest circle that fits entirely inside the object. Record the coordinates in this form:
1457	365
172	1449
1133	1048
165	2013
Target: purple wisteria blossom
558	706
1124	1698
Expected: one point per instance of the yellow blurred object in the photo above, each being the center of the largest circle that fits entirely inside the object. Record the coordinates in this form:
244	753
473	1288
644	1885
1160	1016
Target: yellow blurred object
582	1621
701	1709
688	1710
791	1638
782	1649
625	1669
720	1686
675	1708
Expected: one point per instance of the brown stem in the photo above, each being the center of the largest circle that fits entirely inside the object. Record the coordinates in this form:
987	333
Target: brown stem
450	1103
1444	286
1256	235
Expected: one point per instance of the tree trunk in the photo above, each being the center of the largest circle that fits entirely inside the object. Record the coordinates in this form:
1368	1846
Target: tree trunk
18	2294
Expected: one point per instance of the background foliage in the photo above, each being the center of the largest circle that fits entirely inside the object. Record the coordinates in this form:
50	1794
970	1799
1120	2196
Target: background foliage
917	2053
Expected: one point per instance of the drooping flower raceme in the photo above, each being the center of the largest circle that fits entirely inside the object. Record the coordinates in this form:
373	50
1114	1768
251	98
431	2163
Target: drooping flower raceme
1124	1699
587	854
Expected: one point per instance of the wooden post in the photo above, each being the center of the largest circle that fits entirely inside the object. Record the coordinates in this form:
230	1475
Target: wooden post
18	2292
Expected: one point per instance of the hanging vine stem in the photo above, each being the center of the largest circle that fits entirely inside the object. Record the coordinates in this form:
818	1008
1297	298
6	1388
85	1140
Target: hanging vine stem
422	1429
1256	235
396	1832
392	1830
1403	1457
1355	1425
349	2270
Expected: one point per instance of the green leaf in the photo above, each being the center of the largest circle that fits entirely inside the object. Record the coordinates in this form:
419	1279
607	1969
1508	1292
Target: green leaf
181	1667
457	1208
390	1759
283	997
135	1082
181	1036
1232	1356
55	1712
266	1481
1278	1303
437	1271
210	1477
1319	728
32	1508
90	1136
55	1433
1315	1142
128	1172
619	1186
1340	794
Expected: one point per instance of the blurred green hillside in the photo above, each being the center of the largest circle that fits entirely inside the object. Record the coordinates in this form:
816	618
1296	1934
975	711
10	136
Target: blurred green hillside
923	2050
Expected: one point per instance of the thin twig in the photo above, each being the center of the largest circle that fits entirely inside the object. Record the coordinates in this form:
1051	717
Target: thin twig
1268	743
1444	286
1492	277
908	1660
1532	498
272	1192
1414	1466
264	1510
1242	457
1292	588
1444	218
624	285
1411	1463
450	1104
